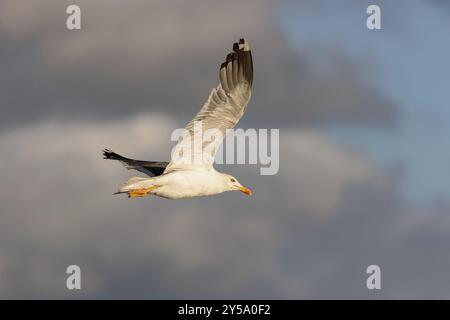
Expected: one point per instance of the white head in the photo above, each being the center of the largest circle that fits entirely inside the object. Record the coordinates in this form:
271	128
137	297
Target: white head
233	185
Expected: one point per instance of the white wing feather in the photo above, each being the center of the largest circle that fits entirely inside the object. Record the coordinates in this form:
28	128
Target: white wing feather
222	111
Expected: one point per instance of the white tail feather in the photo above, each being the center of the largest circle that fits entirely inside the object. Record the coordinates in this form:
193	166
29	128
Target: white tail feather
132	183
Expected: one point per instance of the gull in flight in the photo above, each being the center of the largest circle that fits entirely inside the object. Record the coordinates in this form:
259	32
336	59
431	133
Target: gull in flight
186	176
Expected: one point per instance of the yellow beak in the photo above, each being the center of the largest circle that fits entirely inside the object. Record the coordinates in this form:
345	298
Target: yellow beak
245	190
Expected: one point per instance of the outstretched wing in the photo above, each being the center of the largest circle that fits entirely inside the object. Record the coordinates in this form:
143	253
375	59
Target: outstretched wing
222	111
151	168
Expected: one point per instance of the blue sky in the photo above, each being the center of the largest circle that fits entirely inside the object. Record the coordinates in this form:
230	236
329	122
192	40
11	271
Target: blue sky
407	61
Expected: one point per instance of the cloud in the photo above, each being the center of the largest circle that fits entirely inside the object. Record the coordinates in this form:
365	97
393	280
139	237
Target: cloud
57	209
439	3
164	57
125	81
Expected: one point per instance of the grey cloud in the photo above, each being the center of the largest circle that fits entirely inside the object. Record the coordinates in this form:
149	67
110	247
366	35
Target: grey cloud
161	57
222	246
308	232
439	3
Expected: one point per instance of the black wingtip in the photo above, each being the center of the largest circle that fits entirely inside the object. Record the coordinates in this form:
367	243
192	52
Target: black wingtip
107	153
243	54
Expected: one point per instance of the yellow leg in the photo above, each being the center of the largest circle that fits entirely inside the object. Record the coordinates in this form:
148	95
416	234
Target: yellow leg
141	192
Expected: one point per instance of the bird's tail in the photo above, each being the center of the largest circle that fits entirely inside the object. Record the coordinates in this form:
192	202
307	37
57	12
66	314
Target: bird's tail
108	154
131	184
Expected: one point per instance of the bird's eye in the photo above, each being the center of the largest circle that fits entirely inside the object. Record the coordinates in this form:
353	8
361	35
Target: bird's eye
232	180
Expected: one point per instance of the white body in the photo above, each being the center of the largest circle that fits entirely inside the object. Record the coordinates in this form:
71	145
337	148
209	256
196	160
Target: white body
193	182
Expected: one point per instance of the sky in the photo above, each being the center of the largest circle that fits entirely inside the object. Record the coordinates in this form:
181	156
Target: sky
407	62
363	123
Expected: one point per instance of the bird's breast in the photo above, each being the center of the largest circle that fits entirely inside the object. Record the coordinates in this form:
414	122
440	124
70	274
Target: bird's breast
188	184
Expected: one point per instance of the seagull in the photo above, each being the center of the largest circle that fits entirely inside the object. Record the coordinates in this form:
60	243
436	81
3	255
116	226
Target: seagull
182	177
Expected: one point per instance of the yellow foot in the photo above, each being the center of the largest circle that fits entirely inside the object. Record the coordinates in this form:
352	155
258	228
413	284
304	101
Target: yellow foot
141	192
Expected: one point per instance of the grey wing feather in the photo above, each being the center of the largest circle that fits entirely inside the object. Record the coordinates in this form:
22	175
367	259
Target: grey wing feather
228	101
151	168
